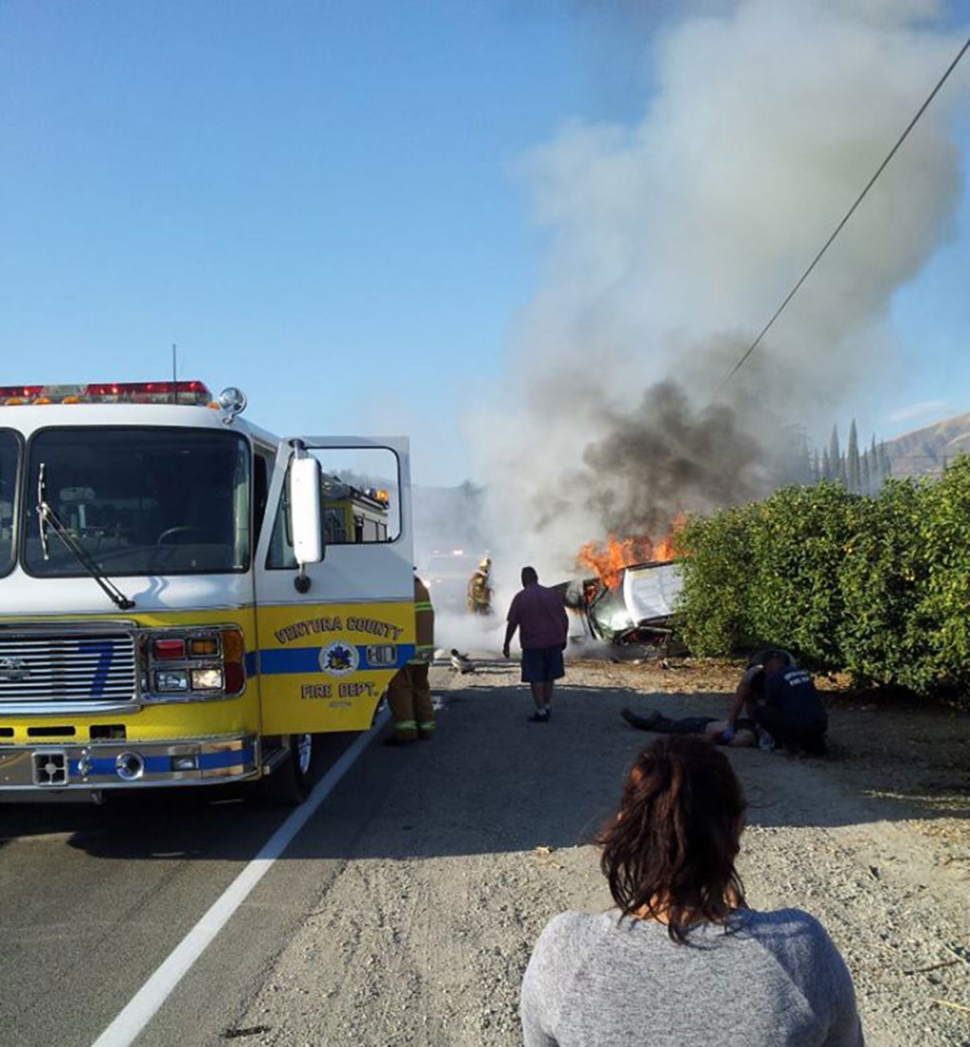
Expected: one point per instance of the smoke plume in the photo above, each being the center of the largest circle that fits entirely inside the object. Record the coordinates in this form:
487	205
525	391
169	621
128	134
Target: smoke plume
664	458
672	241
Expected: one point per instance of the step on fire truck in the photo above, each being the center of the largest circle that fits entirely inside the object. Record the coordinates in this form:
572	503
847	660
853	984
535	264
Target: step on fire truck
185	598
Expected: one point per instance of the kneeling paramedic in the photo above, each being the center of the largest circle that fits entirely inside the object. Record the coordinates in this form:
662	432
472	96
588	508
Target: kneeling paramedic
782	701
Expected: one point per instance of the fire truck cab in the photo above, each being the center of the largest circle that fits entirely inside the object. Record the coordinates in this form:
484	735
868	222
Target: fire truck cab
178	605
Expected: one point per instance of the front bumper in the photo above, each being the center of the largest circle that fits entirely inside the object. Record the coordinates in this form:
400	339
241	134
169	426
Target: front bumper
128	765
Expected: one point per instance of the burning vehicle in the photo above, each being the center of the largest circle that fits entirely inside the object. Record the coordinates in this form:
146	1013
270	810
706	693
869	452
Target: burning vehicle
638	610
631	596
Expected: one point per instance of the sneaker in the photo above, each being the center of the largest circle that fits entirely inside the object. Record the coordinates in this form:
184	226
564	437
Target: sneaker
642	723
539	716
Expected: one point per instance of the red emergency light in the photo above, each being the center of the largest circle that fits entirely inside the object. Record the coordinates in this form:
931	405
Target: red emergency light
193	393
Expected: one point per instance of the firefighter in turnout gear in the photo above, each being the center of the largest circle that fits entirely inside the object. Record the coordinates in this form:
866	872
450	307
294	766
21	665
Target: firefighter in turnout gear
409	693
479	591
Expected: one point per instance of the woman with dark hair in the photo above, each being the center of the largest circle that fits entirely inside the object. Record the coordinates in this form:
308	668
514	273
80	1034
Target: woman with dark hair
682	960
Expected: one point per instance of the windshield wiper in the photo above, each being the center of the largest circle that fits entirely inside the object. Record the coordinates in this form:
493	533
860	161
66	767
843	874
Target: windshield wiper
48	518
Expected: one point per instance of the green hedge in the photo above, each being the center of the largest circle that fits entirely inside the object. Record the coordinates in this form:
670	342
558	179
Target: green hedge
876	586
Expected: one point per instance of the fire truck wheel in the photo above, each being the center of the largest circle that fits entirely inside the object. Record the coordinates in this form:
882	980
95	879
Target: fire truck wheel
291	782
381	706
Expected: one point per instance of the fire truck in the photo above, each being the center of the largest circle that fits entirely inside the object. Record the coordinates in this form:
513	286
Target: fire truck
178	605
354	515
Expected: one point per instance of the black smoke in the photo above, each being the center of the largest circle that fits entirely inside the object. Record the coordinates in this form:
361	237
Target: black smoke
665	458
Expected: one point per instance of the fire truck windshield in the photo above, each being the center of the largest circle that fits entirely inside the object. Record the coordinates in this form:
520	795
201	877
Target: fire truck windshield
9	456
137	501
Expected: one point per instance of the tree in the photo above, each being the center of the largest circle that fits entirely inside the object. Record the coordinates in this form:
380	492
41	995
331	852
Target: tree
885	466
835	454
796	459
853	467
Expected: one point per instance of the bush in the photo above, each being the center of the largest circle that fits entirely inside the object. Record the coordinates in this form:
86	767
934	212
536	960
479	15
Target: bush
800	540
879	638
876	586
942	612
716	566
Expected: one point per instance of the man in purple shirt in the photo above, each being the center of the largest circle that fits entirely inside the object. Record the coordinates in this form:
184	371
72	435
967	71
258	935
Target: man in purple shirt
540	616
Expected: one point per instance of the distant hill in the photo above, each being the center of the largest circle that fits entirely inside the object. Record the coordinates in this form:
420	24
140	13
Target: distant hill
923	452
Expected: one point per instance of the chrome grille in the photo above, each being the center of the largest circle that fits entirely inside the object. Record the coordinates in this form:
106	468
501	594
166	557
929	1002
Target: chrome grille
87	667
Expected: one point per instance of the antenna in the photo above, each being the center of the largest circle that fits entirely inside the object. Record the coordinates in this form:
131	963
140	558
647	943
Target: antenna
175	373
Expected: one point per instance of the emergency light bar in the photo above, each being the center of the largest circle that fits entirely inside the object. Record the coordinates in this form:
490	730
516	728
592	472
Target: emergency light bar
186	393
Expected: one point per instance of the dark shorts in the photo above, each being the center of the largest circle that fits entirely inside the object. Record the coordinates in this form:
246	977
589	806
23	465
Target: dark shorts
810	737
541	664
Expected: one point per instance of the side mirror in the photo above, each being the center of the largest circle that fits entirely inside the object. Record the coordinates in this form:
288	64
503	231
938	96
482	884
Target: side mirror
306	515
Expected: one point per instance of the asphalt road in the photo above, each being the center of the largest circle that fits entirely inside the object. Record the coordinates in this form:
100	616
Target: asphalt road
405	910
93	899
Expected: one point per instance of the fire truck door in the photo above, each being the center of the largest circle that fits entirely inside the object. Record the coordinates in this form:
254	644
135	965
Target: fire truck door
326	655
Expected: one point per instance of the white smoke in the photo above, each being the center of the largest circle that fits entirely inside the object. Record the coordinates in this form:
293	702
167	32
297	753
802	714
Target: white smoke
672	241
470	633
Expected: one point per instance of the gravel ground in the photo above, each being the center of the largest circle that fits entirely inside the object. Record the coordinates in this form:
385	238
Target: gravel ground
479	838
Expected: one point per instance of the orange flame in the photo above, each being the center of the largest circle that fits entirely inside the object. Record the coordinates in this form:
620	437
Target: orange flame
607	560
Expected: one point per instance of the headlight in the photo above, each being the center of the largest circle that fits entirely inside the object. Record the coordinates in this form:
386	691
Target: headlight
206	679
197	665
168	680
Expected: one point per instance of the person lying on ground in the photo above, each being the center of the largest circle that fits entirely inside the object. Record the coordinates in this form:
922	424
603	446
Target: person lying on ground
681	959
782	701
744	735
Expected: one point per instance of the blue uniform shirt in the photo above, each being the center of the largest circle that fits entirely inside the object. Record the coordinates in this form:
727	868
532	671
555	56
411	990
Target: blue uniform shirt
792	692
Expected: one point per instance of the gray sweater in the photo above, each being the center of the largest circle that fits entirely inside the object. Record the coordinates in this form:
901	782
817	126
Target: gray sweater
775	981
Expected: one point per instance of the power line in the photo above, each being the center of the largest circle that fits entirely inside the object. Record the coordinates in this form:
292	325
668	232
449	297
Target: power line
838	229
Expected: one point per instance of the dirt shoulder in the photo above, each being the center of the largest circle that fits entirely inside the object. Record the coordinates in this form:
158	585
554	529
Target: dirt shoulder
462	849
915	757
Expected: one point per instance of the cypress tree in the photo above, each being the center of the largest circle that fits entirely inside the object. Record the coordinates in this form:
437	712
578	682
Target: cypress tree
803	458
853	466
875	477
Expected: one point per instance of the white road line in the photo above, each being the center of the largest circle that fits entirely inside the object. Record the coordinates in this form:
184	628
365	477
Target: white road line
145	1003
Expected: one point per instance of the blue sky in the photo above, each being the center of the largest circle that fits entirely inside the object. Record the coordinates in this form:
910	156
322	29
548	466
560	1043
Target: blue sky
318	203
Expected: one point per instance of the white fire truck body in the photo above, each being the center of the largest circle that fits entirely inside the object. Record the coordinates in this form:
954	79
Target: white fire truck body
170	612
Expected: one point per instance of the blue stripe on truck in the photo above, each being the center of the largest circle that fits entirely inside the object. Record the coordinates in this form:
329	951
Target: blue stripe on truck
307	659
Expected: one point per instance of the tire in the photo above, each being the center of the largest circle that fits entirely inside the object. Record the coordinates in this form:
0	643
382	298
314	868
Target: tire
379	708
291	781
